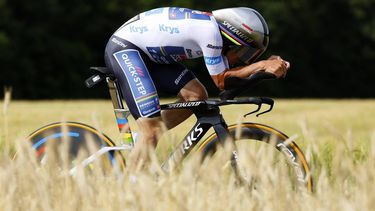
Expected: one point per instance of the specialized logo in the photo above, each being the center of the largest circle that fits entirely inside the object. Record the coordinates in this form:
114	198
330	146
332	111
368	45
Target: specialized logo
184	105
169	29
139	80
214	46
236	31
135	29
192	137
118	42
212	60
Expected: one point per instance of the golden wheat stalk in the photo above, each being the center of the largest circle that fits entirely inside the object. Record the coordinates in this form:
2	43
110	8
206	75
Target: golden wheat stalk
7	99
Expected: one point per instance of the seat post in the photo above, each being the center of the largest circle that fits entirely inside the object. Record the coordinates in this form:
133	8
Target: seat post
120	112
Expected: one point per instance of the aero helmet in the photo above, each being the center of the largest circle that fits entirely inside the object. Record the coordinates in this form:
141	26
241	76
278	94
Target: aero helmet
246	31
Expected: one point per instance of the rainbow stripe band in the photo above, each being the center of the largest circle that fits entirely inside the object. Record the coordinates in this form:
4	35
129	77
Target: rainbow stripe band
128	138
54	136
230	38
121	121
146	97
236	40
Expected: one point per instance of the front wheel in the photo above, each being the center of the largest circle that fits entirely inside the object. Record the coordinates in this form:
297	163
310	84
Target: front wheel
254	138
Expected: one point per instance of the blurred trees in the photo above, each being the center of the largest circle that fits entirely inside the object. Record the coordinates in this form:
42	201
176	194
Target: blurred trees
46	46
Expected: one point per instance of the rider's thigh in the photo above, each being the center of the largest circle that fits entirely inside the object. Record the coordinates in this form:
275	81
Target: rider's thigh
193	90
130	67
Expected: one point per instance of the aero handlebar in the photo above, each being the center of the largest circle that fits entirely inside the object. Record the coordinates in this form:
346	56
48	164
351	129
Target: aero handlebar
234	86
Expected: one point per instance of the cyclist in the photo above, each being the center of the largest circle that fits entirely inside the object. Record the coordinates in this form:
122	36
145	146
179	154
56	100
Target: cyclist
145	54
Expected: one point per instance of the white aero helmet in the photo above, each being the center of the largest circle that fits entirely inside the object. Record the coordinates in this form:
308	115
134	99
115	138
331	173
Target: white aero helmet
245	29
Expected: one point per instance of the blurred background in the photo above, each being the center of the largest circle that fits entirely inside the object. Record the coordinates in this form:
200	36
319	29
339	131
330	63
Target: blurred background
47	46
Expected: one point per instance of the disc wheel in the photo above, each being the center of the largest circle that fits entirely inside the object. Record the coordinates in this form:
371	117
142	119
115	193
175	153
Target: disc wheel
71	142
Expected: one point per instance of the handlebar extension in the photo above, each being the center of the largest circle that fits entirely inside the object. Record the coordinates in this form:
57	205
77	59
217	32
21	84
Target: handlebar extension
234	86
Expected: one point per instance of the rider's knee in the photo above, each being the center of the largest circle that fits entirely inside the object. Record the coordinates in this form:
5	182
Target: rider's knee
198	95
201	93
194	91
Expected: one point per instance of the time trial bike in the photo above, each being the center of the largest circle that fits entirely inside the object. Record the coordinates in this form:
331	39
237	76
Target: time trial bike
82	137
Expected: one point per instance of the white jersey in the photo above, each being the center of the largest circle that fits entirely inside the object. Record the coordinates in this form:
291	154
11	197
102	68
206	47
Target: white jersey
173	34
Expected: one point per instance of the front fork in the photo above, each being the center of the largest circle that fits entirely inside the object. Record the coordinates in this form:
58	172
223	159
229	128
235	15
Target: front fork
223	135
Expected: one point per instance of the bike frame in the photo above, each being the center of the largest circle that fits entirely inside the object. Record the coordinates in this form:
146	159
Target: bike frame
207	113
207	117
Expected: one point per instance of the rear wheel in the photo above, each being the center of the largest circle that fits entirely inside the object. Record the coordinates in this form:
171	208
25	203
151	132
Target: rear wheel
255	155
70	142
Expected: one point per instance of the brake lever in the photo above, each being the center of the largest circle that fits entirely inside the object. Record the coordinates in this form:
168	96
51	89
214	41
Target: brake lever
259	106
267	101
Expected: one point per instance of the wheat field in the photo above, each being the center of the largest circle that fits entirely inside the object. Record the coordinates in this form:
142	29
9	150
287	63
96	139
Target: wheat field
337	136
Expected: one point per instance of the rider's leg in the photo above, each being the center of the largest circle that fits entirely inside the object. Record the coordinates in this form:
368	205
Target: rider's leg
131	66
192	91
150	129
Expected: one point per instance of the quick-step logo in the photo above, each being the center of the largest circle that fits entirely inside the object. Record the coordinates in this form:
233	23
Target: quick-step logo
134	71
139	80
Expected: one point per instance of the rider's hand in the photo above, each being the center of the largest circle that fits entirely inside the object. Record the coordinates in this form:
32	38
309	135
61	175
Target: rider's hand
276	65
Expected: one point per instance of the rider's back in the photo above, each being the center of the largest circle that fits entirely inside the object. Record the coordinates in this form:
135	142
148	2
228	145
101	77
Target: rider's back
174	34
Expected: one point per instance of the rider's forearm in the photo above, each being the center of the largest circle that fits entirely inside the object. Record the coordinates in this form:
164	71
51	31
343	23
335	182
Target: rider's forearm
246	71
241	72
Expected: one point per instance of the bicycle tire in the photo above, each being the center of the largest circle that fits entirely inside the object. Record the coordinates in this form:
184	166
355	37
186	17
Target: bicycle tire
267	134
79	136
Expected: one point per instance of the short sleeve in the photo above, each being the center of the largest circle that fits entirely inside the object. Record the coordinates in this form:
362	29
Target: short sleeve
212	45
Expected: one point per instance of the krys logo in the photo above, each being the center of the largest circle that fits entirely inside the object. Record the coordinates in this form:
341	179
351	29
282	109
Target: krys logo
212	60
169	29
136	29
136	73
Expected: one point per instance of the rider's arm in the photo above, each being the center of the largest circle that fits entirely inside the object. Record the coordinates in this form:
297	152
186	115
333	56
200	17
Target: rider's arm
274	65
218	64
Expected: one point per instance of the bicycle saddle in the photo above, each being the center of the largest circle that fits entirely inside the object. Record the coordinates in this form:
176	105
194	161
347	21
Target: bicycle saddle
103	70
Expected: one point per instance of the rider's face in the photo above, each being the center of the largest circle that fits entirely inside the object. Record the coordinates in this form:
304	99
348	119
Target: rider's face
232	57
242	55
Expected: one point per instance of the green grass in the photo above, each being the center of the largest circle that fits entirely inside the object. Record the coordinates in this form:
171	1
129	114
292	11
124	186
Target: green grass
338	137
